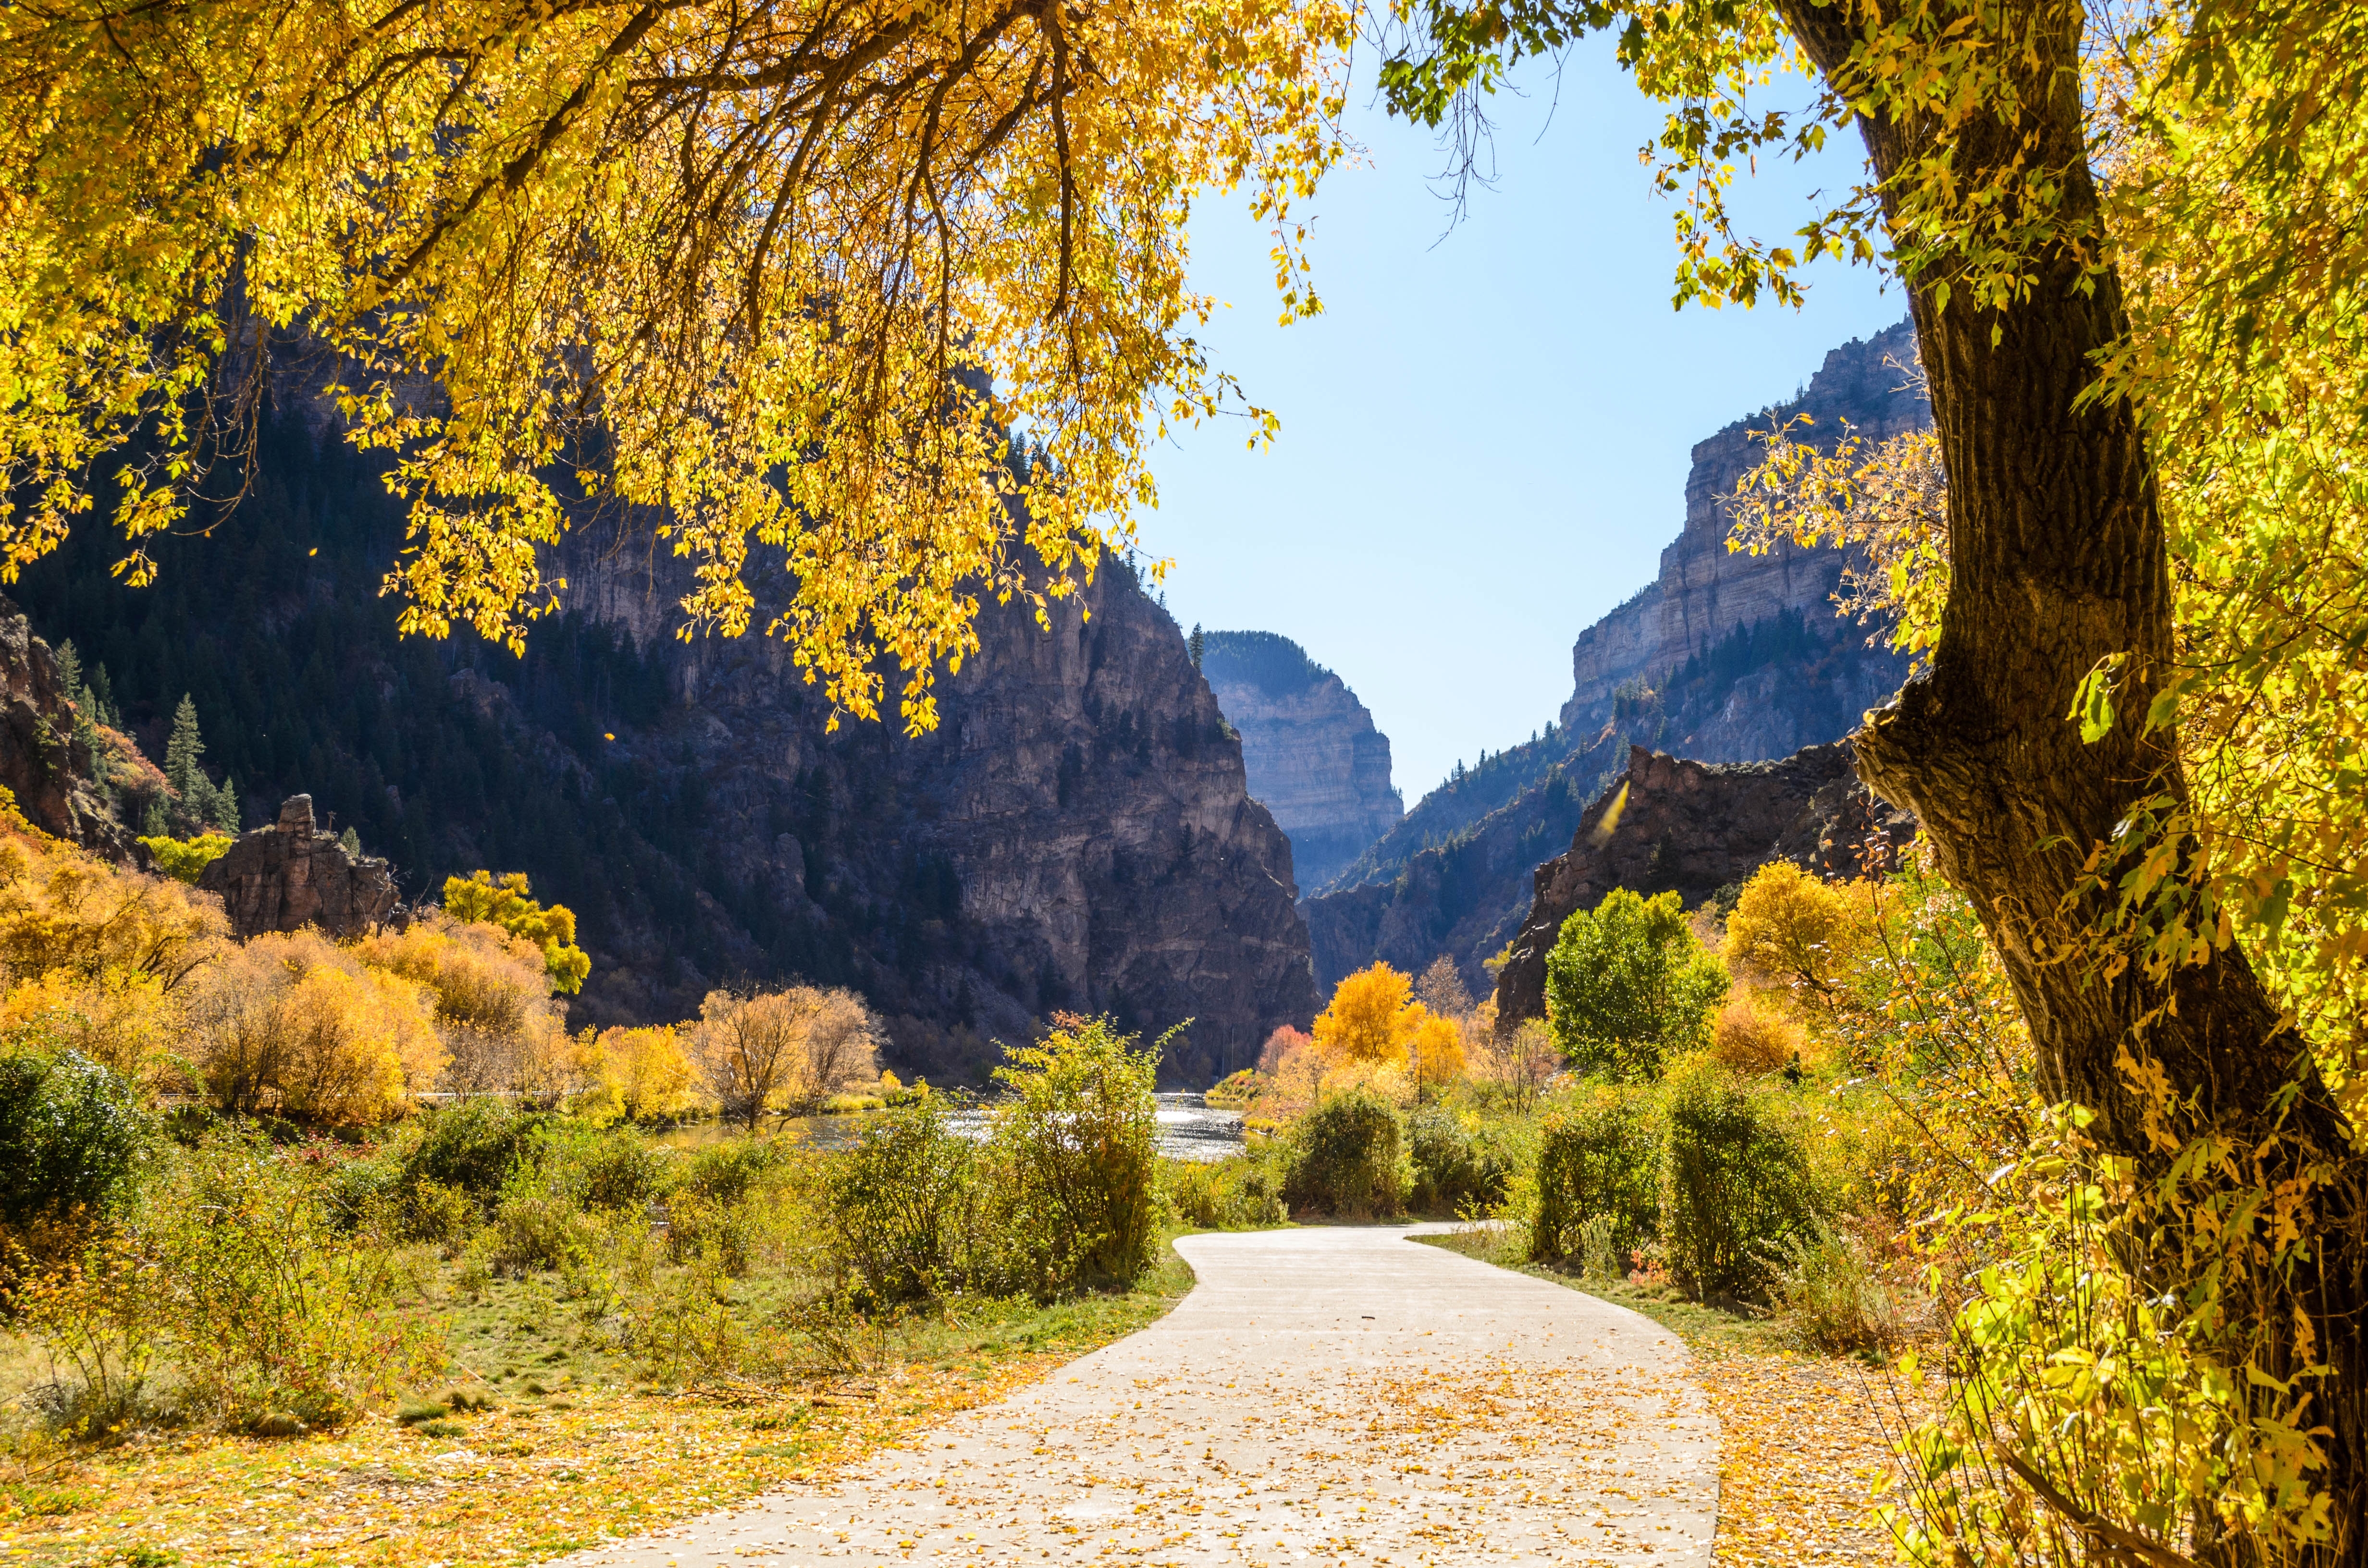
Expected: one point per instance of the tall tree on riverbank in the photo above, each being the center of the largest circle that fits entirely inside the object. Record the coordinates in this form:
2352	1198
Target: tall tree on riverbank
2043	746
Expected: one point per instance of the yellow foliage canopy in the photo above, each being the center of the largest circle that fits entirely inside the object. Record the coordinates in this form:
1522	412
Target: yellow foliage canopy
504	903
1792	929
1365	1020
782	273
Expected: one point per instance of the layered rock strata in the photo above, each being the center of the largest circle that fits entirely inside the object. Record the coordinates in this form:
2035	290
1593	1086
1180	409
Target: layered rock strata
1670	825
1312	754
290	875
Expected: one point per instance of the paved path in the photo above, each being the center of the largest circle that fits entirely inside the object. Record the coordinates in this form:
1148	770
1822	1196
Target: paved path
1323	1395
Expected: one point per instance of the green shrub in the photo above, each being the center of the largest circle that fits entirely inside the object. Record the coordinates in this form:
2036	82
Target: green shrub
470	1147
726	1171
1599	1178
72	1137
1075	1155
1735	1183
615	1168
898	1205
1459	1163
1238	1193
1629	985
271	1310
1345	1157
699	1227
1833	1294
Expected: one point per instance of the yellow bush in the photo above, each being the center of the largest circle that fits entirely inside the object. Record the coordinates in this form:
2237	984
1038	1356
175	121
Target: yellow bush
1750	1037
652	1073
126	1023
492	1000
782	1049
1434	1046
292	1024
97	956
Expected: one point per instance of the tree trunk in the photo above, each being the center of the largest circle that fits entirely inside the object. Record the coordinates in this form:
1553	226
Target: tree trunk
2058	561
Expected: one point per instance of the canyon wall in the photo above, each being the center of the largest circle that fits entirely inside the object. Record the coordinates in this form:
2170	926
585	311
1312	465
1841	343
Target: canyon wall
1077	834
1705	593
1723	658
1311	752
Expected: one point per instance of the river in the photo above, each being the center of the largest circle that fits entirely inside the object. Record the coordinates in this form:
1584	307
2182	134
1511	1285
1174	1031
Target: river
1189	1129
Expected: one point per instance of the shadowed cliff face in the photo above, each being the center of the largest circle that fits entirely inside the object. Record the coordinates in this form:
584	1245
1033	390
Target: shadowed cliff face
1668	825
1312	755
1077	835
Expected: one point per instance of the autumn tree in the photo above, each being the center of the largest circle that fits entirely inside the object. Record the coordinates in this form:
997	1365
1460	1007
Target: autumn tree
1792	929
775	1051
1365	1020
1374	1020
2118	370
781	275
504	901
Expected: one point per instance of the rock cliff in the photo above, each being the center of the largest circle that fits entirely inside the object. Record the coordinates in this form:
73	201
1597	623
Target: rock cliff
1670	825
1312	755
1724	658
1077	834
290	875
1706	594
49	767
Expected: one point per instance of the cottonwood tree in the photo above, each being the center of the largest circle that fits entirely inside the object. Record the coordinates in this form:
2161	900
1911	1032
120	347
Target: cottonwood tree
771	1050
2193	327
781	275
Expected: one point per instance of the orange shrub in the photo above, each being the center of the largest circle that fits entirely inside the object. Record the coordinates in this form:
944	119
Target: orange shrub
291	1023
1750	1036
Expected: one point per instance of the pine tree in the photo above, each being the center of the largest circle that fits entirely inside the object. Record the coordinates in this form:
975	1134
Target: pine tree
181	754
70	672
1197	644
101	691
223	813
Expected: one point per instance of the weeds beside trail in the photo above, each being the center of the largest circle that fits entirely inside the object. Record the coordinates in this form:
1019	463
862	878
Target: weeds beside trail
496	1335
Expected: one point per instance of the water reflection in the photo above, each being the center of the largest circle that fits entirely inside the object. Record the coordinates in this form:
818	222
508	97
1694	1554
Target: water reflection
1189	1129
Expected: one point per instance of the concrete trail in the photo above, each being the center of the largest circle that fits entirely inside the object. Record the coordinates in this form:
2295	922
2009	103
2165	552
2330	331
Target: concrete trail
1323	1395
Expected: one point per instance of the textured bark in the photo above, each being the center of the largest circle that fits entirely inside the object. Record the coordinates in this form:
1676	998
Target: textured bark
2058	561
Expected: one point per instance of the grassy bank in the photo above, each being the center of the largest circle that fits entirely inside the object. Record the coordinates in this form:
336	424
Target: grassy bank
544	1441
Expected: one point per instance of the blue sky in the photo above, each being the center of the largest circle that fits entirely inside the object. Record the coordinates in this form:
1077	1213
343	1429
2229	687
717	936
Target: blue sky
1485	436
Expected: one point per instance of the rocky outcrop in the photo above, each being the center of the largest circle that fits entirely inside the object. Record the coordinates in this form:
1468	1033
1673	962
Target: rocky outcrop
1313	757
1705	593
290	875
49	769
1670	825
